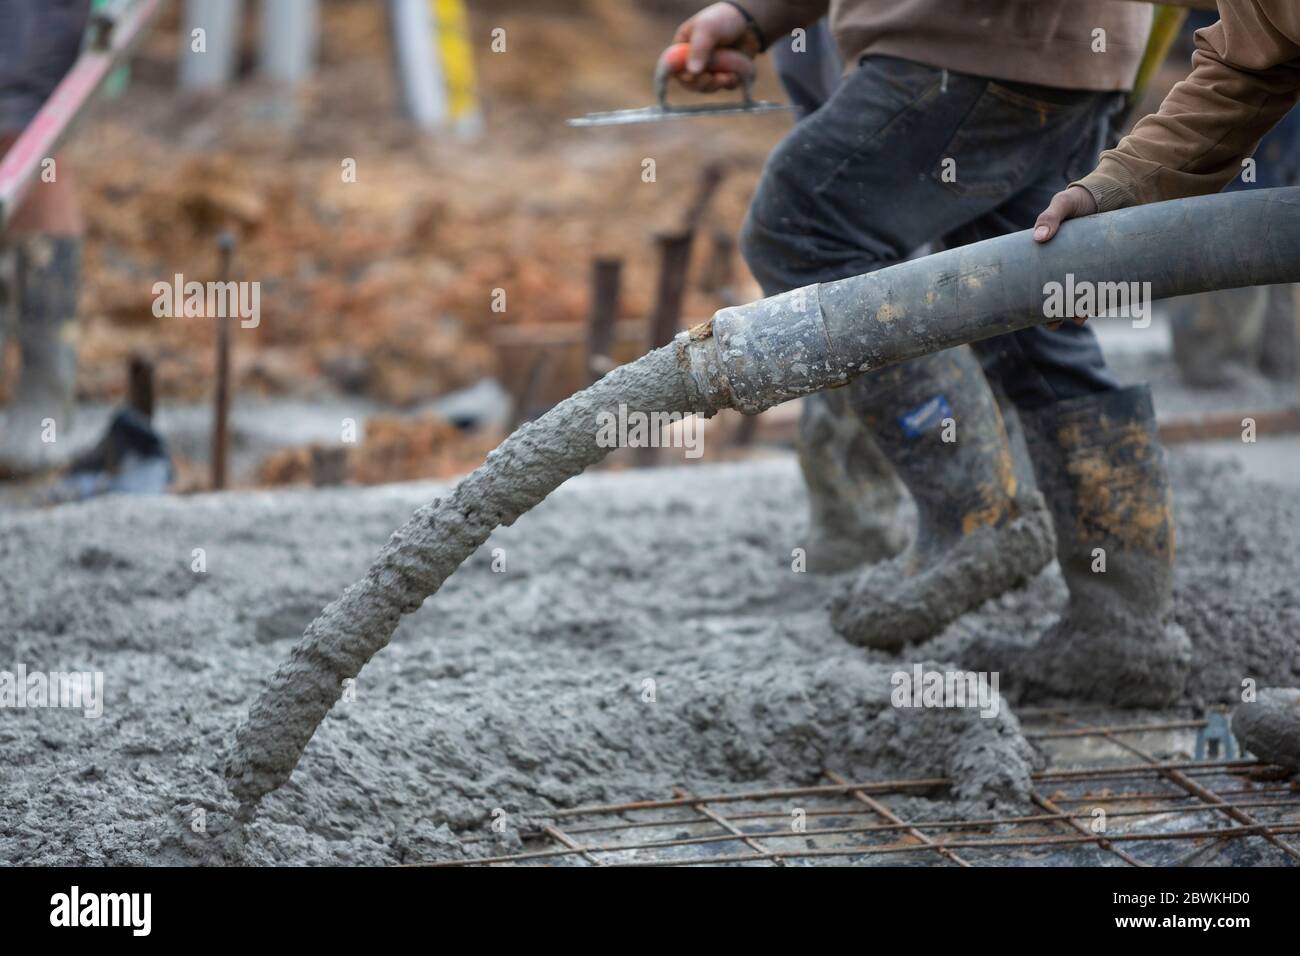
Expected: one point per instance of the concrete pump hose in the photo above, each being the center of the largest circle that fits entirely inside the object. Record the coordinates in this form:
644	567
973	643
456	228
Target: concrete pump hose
758	355
752	357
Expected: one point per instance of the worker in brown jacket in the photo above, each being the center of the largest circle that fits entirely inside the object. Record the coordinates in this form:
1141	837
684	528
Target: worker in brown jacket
1245	77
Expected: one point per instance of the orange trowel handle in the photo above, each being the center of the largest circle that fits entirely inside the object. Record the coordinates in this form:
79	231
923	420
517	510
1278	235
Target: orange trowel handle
722	60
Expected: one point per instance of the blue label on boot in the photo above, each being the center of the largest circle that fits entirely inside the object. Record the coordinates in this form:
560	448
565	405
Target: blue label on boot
925	416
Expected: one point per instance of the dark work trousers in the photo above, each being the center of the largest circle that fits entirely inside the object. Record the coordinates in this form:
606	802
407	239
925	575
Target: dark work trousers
903	154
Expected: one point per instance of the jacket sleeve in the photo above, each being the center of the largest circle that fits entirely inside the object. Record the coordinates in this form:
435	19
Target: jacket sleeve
1245	77
776	18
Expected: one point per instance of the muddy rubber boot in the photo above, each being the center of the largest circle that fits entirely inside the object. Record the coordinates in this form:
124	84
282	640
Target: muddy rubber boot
978	533
1102	470
38	422
853	493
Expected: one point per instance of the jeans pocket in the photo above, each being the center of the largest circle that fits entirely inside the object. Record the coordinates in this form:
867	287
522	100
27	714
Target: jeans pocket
870	110
997	144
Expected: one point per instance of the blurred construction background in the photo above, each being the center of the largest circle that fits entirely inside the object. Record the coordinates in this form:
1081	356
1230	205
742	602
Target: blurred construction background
432	278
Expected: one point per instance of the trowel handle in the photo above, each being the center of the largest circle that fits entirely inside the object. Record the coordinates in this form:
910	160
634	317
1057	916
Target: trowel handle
722	60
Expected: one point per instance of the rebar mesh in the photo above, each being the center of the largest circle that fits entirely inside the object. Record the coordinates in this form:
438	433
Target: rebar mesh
1118	804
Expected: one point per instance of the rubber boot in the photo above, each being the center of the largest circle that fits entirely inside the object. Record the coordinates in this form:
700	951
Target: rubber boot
853	493
38	422
1102	470
978	532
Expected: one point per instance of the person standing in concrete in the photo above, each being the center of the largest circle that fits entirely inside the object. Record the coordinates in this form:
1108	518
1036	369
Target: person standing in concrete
39	42
955	122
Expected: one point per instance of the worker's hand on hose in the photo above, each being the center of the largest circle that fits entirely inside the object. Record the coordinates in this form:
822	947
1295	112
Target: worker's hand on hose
1070	203
718	27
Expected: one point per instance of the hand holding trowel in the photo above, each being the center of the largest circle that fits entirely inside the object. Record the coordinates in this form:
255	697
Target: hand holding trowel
715	45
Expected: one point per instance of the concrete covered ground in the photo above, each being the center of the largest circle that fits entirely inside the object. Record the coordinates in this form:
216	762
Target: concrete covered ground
640	631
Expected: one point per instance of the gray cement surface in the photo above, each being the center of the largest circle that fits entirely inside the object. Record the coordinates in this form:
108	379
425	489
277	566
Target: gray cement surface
644	630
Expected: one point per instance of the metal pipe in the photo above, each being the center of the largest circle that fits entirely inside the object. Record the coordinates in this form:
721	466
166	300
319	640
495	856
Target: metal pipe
606	282
289	35
754	356
209	44
419	65
221	395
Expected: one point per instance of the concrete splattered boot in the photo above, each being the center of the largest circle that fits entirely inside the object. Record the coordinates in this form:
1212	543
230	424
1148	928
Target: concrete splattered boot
853	493
1102	470
38	422
978	533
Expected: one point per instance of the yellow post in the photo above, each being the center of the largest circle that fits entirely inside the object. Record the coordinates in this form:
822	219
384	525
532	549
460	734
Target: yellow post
451	27
1164	30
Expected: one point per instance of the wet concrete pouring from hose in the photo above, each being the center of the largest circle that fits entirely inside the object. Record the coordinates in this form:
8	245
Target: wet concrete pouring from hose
424	552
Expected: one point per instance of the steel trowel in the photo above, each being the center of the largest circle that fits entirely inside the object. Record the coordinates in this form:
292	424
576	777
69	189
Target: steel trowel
673	61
